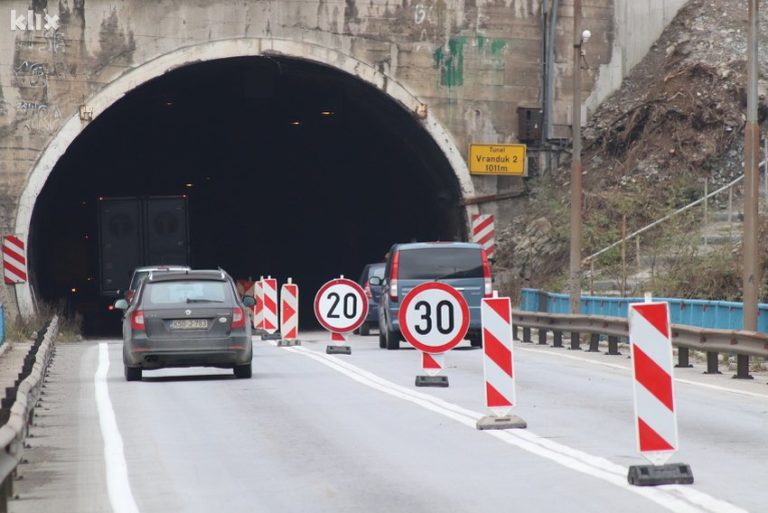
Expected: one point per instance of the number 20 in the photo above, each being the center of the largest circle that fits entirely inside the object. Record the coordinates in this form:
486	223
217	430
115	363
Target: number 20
349	306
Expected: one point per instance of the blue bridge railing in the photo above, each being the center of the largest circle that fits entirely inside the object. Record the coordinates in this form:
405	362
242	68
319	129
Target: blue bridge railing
726	315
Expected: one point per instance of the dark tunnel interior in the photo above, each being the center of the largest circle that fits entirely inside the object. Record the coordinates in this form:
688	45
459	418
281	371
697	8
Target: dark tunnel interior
290	168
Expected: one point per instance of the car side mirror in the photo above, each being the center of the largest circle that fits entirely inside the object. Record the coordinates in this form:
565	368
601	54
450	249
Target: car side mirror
375	281
121	304
249	301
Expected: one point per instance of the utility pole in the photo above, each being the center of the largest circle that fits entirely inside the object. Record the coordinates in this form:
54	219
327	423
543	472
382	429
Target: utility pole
574	278
751	274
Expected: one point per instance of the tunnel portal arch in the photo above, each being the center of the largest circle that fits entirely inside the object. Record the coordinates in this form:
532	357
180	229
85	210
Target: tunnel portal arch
210	51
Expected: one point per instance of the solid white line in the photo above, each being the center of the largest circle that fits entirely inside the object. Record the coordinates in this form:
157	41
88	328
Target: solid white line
118	486
601	468
629	369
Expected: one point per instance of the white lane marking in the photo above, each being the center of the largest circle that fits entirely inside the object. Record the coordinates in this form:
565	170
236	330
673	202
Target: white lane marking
676	499
118	486
629	369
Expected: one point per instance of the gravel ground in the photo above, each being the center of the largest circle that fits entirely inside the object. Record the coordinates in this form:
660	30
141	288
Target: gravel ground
11	360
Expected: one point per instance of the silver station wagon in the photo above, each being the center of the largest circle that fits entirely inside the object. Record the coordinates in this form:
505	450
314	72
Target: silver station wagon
186	319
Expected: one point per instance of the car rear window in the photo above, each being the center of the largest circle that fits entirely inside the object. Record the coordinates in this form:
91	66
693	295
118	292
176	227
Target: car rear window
171	292
377	271
440	263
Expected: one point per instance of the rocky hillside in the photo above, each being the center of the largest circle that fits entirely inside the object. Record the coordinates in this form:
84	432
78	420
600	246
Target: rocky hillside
678	118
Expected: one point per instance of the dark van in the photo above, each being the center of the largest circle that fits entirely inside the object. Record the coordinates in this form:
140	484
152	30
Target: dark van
462	265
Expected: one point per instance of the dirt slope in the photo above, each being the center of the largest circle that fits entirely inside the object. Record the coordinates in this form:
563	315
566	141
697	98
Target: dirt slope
677	119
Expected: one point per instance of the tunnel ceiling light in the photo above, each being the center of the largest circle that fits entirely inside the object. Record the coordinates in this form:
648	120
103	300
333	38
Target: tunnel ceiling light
189	185
326	113
296	123
73	290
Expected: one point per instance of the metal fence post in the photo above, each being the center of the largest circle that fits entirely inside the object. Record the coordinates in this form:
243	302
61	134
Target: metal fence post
730	214
683	357
613	345
742	367
594	343
526	334
575	341
542	336
706	200
712	363
557	339
624	256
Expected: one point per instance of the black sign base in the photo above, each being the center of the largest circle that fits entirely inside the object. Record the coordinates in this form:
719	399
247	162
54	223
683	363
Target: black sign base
505	422
654	475
274	336
431	381
286	343
338	350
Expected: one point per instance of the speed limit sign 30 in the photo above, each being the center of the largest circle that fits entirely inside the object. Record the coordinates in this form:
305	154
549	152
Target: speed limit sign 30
341	306
434	317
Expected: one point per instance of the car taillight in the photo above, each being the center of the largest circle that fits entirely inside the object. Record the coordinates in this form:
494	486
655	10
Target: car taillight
393	276
137	320
487	274
368	290
238	318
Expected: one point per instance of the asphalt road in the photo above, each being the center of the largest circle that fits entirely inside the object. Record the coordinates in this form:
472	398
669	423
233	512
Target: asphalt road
318	433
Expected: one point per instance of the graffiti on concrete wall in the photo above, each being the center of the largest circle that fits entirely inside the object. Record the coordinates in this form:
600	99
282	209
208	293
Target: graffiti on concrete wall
38	117
449	59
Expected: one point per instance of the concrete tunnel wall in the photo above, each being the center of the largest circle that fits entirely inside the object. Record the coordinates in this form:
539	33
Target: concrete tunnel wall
472	63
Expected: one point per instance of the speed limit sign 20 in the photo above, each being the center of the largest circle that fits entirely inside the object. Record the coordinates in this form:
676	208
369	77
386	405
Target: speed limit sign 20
434	317
341	306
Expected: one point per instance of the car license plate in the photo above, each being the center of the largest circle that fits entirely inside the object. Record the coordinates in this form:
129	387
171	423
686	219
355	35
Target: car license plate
189	324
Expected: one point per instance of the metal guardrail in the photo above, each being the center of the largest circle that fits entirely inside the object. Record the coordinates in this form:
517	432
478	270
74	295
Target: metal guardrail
667	217
15	430
712	341
722	315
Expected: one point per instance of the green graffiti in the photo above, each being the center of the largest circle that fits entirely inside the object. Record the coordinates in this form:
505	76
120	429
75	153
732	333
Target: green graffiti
451	63
497	45
449	59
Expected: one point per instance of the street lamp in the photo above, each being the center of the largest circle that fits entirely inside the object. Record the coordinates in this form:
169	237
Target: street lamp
574	278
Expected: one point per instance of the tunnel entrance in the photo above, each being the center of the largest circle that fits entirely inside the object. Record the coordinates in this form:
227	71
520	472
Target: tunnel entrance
291	168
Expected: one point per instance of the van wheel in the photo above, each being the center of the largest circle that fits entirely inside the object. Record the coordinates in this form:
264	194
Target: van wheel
365	329
382	339
132	373
393	340
476	340
243	371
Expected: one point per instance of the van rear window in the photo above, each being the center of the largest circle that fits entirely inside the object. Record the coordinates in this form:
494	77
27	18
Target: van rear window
440	263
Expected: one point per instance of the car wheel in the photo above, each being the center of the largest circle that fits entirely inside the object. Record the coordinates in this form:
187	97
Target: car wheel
243	371
132	373
393	339
365	329
476	340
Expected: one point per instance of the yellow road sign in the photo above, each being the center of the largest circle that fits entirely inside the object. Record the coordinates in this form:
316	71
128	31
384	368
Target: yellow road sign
498	159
